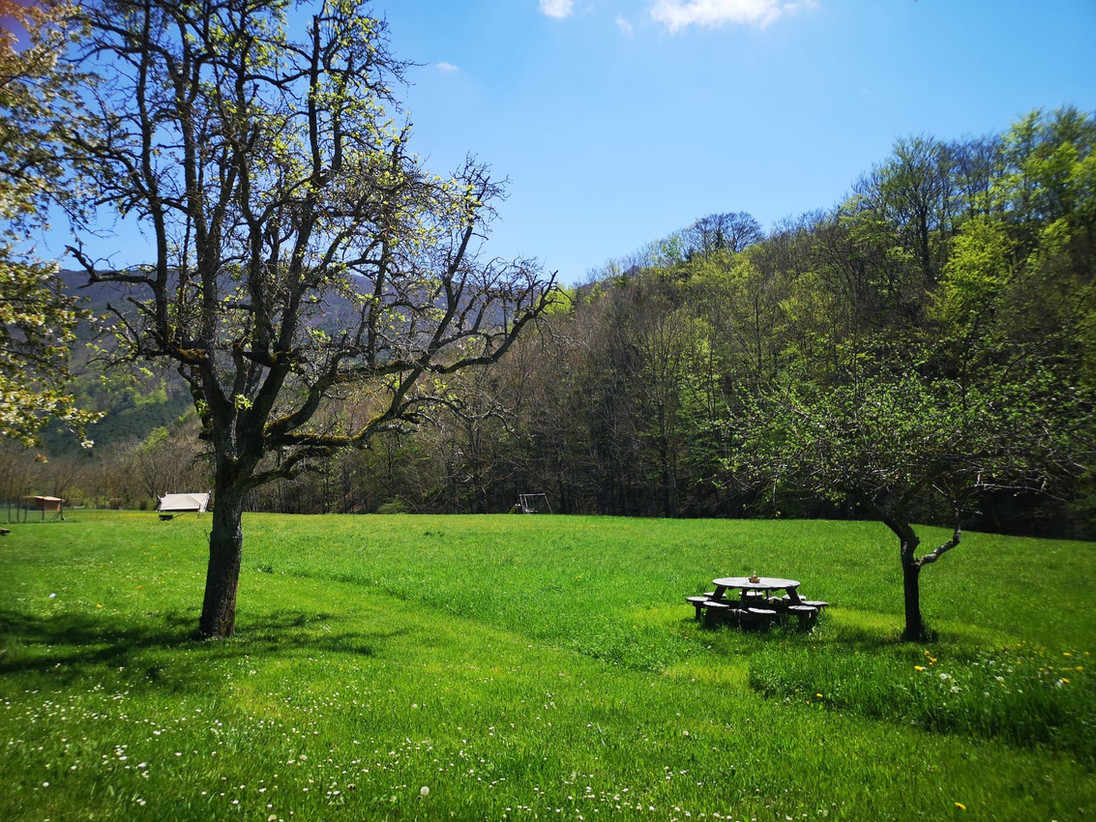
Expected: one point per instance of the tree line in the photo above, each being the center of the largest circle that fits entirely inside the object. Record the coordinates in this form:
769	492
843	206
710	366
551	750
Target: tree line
967	261
959	269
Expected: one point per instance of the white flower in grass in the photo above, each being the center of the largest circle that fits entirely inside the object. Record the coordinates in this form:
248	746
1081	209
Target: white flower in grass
424	791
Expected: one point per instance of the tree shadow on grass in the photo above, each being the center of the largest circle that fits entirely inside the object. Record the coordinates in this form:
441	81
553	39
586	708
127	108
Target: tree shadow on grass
852	631
71	646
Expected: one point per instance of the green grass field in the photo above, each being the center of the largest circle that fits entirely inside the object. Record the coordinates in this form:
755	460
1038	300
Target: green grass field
512	667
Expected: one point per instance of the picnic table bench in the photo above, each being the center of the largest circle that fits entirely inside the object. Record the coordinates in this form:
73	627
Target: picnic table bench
759	603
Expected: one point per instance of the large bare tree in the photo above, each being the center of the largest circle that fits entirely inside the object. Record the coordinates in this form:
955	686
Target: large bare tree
300	252
732	231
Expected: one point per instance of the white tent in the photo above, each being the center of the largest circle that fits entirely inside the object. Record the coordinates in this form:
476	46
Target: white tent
177	503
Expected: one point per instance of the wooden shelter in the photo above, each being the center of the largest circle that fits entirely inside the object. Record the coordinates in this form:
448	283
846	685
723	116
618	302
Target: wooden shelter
47	505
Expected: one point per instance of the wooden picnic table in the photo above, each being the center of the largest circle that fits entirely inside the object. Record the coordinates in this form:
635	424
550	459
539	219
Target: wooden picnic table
756	606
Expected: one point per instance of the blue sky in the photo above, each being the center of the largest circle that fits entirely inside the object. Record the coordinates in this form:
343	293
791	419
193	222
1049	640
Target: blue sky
619	121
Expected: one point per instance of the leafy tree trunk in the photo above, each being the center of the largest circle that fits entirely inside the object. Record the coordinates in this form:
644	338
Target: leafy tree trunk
226	541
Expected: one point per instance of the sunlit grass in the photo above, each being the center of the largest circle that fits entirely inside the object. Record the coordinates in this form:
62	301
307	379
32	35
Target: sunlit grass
1021	694
534	666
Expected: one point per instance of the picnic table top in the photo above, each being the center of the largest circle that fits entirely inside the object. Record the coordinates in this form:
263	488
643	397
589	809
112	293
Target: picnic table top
763	583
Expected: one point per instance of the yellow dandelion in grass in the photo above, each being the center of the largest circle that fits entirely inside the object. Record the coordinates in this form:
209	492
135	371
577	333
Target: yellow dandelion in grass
960	806
1080	667
1066	653
918	667
818	695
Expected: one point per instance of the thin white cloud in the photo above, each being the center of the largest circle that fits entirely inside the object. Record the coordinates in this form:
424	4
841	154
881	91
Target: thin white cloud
678	14
557	8
446	68
625	27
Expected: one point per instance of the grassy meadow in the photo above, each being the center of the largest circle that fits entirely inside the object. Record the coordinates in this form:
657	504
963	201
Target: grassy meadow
510	667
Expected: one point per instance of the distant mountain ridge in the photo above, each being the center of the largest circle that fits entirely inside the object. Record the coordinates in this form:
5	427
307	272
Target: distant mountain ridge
132	413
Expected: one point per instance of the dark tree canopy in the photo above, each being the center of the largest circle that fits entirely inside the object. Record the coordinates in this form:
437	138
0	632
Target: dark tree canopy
730	231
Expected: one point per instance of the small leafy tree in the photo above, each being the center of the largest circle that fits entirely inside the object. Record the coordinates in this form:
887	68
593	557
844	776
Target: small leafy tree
36	318
302	256
898	444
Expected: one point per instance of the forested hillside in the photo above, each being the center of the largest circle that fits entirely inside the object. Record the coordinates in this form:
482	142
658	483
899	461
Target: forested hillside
948	301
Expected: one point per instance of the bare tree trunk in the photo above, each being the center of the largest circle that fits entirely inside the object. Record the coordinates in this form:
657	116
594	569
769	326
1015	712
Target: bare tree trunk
911	580
226	539
911	571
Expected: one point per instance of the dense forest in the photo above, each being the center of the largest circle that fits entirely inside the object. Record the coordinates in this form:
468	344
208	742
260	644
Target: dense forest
946	305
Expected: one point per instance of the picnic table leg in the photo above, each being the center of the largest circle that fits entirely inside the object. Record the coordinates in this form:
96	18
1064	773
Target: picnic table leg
698	604
807	618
